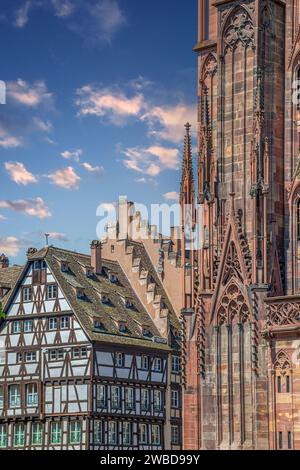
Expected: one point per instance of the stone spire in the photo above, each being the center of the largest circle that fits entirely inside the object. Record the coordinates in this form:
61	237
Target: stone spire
187	179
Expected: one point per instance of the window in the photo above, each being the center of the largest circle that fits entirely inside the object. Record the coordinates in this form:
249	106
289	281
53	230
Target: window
157	364
112	433
101	396
279	384
30	356
3	436
98	325
175	435
127	434
287	384
28	326
157	400
145	363
56	354
123	327
1	397
52	324
176	364
98	432
83	353
14	396
156	434
56	435
120	360
115	398
17	327
113	278
37	434
145	402
19	435
129	398
147	333
27	294
289	439
143	433
31	395
280	443
19	358
51	291
175	399
64	323
75	432
76	353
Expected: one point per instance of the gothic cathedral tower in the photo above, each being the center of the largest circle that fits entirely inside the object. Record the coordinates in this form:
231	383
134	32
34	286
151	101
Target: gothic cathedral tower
244	264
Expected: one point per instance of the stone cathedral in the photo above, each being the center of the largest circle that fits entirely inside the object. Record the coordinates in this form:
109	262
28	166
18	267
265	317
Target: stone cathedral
241	286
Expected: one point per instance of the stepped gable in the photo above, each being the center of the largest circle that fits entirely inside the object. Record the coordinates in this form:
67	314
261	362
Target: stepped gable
91	307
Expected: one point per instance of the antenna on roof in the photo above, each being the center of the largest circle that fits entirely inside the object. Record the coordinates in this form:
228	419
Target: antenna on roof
47	235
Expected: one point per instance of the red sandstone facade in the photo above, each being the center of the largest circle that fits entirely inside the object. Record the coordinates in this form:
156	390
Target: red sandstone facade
241	288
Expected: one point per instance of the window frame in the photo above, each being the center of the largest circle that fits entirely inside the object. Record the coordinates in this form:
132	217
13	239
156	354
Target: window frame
37	433
175	402
17	331
14	401
2	398
3	435
156	361
127	433
115	405
25	298
145	404
55	322
33	394
64	323
19	437
155	442
101	398
112	432
76	433
28	322
117	357
49	288
145	427
57	433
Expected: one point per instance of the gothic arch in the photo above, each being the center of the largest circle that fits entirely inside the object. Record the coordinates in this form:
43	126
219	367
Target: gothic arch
233	306
238	28
282	362
209	67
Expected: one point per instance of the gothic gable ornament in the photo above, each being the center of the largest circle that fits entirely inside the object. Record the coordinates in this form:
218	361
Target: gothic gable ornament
239	29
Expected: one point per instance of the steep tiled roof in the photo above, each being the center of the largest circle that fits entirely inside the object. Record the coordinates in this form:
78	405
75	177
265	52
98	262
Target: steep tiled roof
8	278
91	306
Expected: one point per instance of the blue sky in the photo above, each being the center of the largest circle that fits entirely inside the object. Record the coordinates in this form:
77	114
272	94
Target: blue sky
98	92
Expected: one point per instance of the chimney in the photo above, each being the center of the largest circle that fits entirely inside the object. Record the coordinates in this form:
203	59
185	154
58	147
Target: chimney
96	256
4	261
125	216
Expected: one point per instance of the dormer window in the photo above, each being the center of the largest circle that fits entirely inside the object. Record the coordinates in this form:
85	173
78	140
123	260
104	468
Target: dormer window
104	298
64	266
147	333
80	293
128	303
89	271
123	327
98	325
112	278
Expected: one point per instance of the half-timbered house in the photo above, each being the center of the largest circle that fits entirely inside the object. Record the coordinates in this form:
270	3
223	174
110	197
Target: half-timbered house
82	363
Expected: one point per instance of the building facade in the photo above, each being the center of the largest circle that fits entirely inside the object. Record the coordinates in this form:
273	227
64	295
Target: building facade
82	363
241	294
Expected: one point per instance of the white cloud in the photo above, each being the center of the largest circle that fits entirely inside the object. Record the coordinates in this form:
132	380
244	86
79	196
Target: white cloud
2	217
58	236
151	161
171	196
96	170
8	141
65	178
22	14
109	103
167	122
43	126
63	8
10	246
72	154
19	174
29	95
33	207
97	21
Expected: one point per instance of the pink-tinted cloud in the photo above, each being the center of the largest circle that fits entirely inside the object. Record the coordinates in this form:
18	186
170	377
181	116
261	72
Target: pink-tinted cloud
19	174
29	95
33	207
65	178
